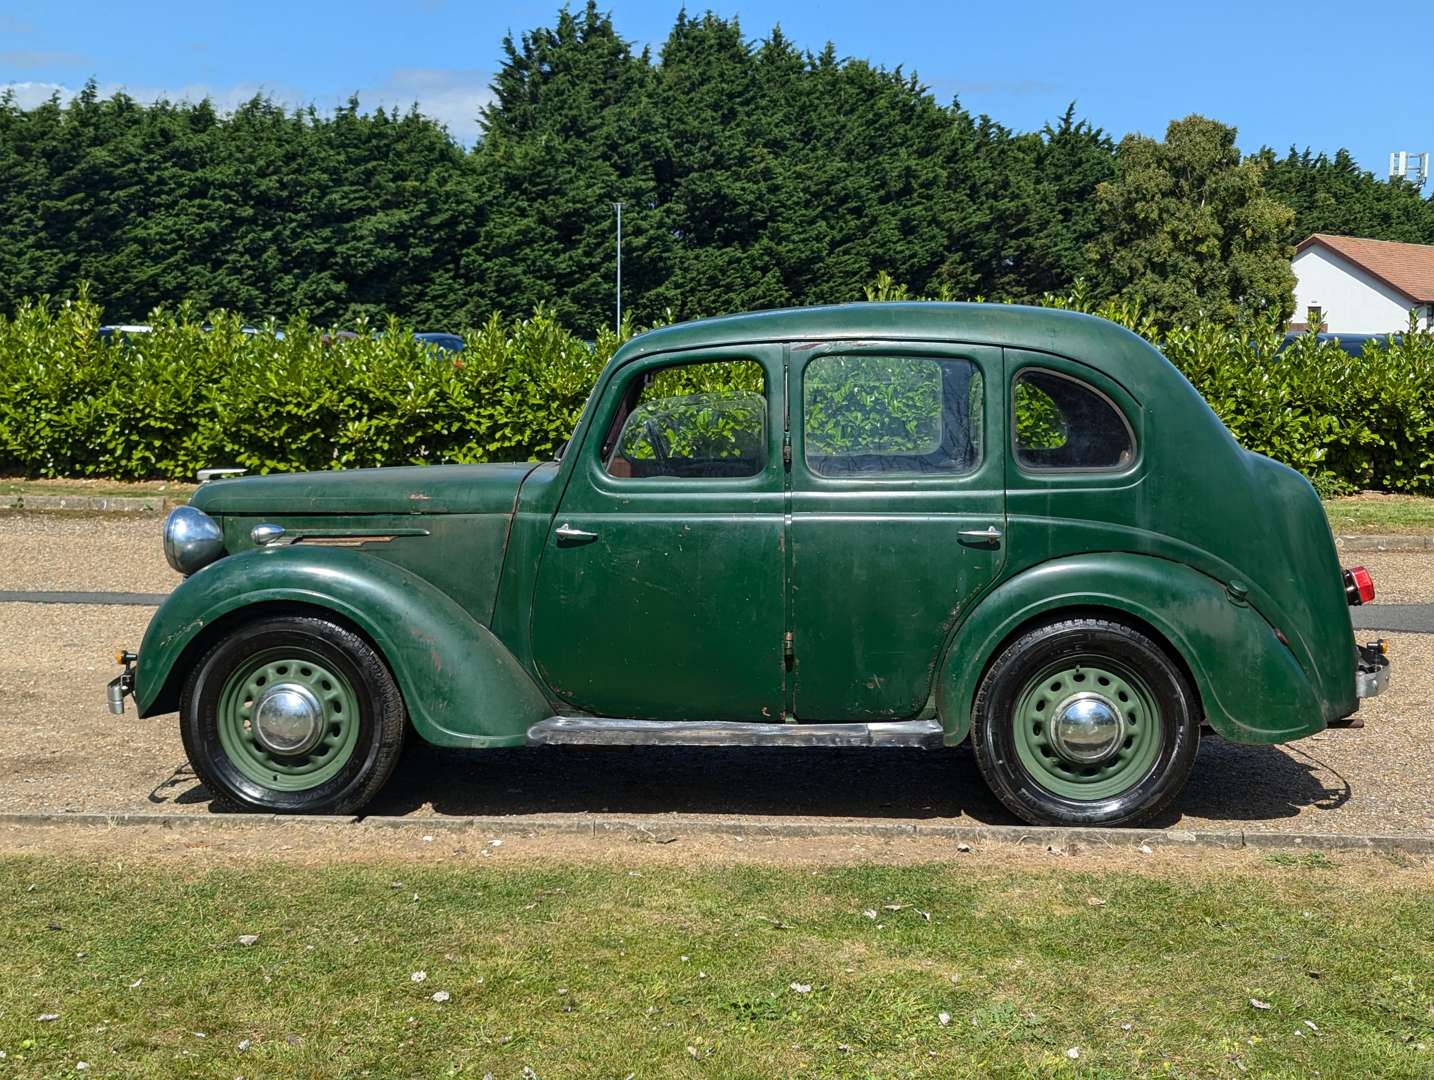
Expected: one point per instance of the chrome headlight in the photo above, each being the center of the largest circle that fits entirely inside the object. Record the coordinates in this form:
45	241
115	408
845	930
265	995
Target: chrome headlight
192	539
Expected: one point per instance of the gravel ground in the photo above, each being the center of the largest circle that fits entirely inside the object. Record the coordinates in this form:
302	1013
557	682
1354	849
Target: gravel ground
1399	577
60	749
90	552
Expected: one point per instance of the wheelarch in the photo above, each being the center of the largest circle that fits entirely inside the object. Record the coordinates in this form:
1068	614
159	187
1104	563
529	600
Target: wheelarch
1082	611
460	684
167	700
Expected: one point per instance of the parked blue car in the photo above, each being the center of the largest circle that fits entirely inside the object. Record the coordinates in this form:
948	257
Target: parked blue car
442	341
1350	343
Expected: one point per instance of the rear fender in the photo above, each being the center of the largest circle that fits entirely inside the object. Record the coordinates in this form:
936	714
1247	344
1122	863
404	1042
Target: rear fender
461	685
1252	688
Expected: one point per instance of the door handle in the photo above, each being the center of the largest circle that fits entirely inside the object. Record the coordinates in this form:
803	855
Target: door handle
566	534
991	535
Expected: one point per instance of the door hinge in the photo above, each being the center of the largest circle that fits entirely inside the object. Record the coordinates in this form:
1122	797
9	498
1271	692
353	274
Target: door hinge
786	450
787	652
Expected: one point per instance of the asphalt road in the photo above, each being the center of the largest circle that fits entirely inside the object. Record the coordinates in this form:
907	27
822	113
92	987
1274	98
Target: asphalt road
104	599
1409	618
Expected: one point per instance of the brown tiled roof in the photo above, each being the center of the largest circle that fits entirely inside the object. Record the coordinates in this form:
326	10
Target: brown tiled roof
1406	268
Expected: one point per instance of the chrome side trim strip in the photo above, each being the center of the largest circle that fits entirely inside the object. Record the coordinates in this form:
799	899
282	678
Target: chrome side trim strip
605	731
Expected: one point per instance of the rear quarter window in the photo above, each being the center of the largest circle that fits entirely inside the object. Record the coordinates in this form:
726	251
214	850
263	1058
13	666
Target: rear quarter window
1060	422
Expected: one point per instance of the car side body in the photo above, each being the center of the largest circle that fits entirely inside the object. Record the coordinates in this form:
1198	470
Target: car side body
799	593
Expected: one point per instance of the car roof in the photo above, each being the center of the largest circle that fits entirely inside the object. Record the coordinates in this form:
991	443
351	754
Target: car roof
1012	325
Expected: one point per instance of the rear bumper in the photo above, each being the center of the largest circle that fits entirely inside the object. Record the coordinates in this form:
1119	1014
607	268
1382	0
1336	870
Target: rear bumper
1371	675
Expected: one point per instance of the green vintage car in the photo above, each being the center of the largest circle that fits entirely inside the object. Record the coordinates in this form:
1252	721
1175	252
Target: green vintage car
875	525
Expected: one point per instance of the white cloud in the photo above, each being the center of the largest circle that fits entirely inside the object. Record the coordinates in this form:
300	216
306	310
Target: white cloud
30	94
453	97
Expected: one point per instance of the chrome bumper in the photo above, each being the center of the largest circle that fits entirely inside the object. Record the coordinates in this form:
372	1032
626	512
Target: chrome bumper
123	686
1371	676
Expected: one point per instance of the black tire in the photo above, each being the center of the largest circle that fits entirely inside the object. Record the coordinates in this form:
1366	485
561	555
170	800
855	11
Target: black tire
378	741
994	736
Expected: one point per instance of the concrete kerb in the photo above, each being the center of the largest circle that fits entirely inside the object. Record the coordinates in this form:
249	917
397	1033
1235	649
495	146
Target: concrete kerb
1379	542
1060	839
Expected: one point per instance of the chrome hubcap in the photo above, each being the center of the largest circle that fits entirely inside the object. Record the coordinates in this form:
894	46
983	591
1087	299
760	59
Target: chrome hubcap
1087	728
288	719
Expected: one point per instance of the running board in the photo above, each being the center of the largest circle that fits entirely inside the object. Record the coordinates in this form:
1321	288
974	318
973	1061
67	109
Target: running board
601	731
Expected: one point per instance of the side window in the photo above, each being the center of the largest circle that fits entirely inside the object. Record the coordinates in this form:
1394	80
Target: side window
883	415
1061	423
692	420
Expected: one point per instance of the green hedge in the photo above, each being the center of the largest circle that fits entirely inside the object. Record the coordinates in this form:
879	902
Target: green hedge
168	403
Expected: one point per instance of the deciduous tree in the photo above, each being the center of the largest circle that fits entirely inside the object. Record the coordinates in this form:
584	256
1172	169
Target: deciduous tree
1189	231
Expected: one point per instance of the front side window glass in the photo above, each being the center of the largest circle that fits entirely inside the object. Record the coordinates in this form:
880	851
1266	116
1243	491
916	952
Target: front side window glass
1061	423
705	420
891	415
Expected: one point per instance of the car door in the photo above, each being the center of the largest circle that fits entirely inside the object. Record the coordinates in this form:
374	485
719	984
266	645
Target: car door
897	517
660	589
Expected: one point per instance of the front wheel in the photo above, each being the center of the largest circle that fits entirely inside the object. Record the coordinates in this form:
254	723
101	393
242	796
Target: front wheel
1085	722
292	714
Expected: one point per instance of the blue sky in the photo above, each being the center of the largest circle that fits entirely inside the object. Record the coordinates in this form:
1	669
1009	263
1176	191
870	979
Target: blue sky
1318	74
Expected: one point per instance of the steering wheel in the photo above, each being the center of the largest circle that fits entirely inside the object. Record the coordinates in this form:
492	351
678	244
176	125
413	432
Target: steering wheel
657	442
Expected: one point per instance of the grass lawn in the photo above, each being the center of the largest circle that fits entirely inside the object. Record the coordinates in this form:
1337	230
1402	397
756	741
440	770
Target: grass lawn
566	969
1374	513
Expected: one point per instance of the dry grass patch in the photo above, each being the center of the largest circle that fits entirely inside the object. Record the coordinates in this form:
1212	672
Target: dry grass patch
20	485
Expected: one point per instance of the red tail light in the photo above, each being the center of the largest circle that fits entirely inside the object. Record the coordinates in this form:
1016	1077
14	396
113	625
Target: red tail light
1358	585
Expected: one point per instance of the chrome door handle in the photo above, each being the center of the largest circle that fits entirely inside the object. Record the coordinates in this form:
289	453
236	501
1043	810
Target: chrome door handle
566	534
991	535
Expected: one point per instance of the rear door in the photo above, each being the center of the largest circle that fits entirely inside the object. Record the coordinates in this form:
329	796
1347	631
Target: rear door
897	517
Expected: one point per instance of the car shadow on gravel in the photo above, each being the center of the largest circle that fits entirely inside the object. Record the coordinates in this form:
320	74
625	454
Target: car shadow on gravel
1240	783
1231	783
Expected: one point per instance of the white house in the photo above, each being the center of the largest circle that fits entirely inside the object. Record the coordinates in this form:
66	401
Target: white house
1358	286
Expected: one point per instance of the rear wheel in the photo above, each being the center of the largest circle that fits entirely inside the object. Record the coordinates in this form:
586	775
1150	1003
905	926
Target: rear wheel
292	714
1085	722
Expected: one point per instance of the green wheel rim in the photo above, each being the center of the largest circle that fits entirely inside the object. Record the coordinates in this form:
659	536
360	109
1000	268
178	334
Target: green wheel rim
340	720
1124	689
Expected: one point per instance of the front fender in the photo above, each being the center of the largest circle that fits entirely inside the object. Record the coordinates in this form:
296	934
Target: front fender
461	685
1252	688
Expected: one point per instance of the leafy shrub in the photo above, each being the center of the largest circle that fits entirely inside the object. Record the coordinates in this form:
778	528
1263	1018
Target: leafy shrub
1039	423
709	426
200	391
872	404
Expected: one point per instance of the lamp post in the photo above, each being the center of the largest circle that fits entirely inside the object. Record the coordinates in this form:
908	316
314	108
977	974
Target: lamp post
618	207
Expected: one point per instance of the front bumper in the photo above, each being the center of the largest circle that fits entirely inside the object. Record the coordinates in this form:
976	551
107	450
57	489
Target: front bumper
123	686
1371	676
